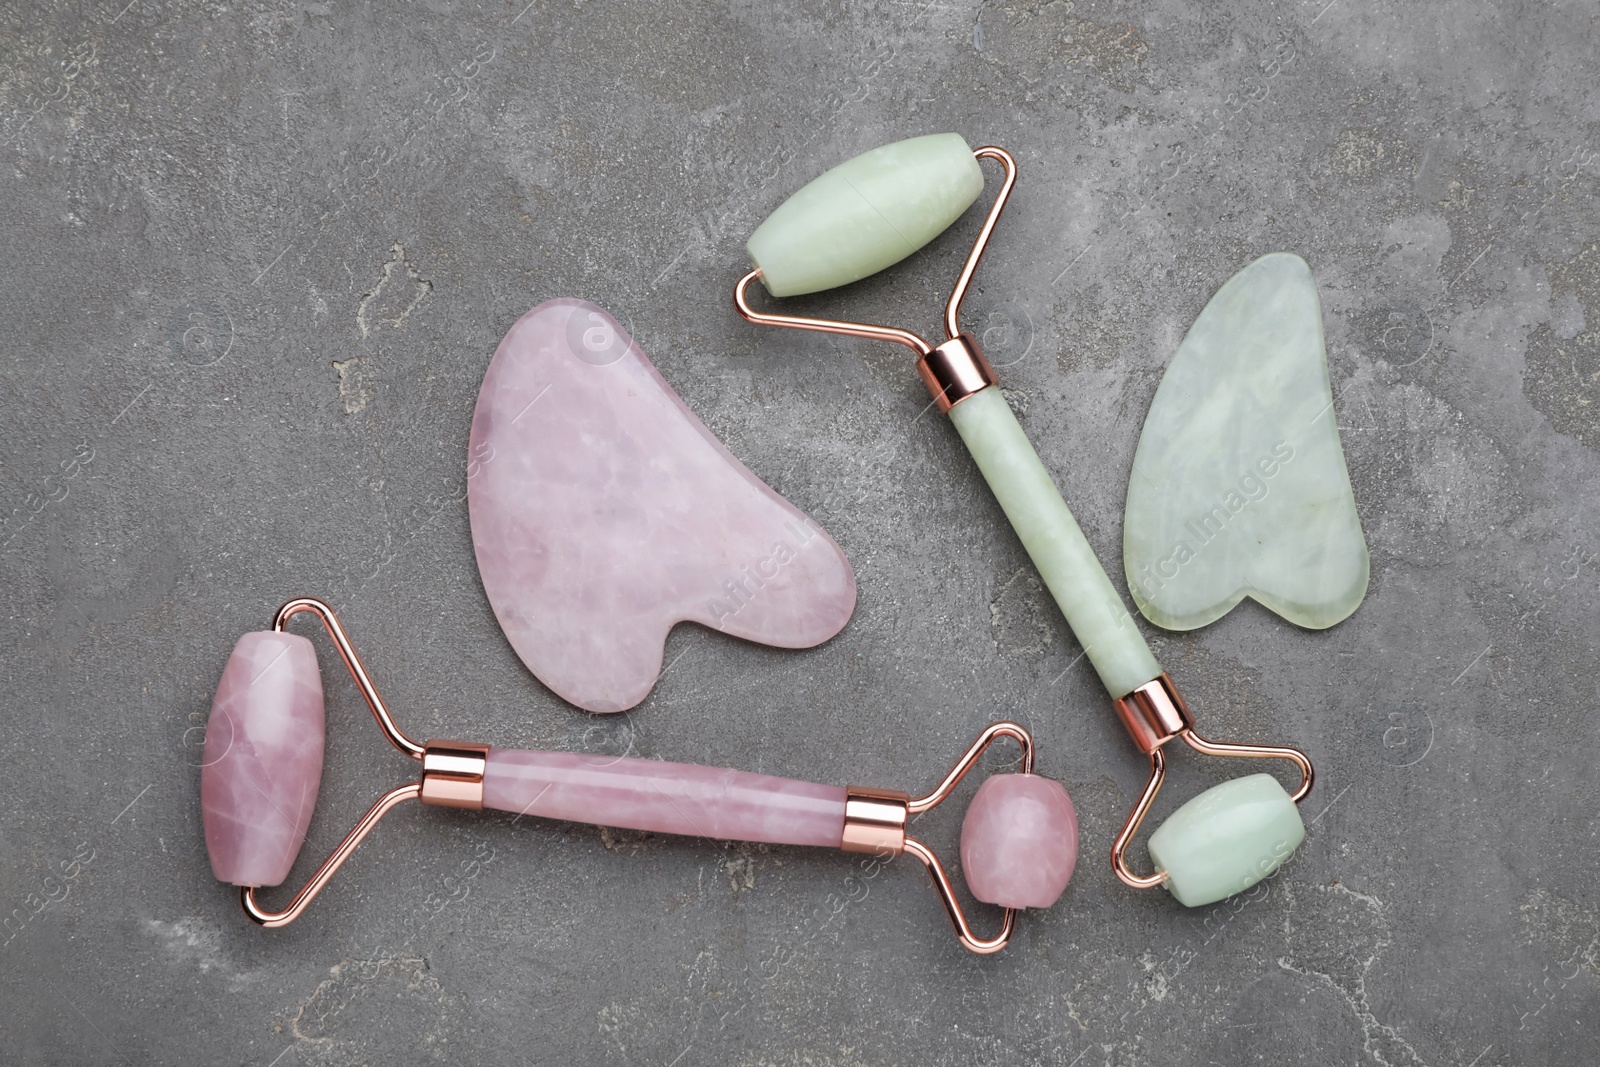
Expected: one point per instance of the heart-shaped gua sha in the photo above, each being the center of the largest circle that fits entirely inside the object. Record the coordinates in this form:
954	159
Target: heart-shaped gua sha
1239	486
604	513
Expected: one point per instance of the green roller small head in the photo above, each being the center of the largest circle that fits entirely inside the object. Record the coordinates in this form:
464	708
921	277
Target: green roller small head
866	214
1227	839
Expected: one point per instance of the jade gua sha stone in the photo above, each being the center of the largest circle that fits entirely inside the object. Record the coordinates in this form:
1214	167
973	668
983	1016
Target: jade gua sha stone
1239	486
604	513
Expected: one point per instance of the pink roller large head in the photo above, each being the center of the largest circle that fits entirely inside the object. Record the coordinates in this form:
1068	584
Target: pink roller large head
263	758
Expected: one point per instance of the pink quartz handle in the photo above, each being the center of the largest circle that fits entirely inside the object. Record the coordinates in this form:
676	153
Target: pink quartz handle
667	798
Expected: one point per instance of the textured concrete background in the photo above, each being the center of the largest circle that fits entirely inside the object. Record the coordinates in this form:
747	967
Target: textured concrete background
258	255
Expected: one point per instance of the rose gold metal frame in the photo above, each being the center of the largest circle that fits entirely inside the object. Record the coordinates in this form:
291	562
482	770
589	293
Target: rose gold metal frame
953	370
875	821
452	771
1154	714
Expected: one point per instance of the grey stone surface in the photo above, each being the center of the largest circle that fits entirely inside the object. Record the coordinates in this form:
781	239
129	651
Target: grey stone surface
257	257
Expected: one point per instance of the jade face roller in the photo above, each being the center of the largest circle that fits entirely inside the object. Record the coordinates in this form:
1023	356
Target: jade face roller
877	209
263	765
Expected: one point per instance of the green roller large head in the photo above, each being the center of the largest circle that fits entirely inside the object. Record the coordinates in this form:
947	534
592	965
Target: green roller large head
866	214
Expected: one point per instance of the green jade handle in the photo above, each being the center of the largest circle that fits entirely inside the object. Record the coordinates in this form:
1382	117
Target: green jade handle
1044	523
871	212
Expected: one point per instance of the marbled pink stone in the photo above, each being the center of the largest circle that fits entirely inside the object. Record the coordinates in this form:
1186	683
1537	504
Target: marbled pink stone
263	758
1019	841
603	513
664	798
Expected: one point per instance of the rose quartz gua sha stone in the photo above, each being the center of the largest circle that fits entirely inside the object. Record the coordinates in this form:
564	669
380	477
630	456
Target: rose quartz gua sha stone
604	513
263	758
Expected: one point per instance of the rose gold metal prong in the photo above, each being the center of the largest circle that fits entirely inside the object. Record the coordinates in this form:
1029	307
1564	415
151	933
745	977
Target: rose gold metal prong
308	893
952	309
1308	773
347	652
851	329
1119	847
1154	714
947	894
991	733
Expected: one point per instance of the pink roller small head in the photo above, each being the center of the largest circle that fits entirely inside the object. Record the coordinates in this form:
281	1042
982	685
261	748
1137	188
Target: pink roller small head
263	758
1019	841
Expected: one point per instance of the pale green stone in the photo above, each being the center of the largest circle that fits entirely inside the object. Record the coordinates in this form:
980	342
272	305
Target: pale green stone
1227	839
1108	634
1239	486
866	214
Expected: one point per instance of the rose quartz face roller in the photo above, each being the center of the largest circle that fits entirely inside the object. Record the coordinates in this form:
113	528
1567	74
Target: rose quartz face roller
263	764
